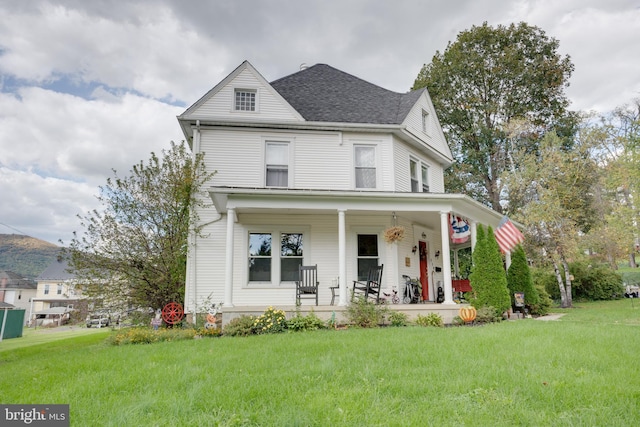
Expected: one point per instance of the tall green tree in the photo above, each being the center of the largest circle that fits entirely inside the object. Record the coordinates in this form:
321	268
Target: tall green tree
519	278
133	250
483	81
488	278
556	185
618	156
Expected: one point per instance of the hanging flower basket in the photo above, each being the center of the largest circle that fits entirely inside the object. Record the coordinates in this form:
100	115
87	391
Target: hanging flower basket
394	234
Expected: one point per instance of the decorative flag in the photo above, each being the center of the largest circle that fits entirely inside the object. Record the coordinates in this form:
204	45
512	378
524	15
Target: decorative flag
459	229
507	235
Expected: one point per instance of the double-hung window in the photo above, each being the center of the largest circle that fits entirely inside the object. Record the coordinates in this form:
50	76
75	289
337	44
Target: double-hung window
59	290
291	254
46	289
244	100
365	166
259	257
419	173
367	254
277	164
268	265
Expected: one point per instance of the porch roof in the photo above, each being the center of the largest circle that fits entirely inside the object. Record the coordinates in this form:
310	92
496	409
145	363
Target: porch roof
415	206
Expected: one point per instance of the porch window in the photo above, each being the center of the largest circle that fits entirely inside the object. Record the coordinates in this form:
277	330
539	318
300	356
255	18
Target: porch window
367	254
365	164
277	164
291	255
245	100
259	257
46	289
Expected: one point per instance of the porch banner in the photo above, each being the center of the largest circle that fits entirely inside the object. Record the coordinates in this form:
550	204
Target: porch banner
459	229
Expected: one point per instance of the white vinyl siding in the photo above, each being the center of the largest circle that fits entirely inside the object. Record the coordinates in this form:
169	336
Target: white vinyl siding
269	105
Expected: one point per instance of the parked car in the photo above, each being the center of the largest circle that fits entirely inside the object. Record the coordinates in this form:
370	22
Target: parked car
98	320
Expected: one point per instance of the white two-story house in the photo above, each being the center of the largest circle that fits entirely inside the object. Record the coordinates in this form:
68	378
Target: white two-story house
311	169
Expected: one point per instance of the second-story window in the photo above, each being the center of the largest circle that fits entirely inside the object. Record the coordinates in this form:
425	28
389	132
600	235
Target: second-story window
425	178
245	100
277	164
46	289
413	170
419	176
365	164
59	290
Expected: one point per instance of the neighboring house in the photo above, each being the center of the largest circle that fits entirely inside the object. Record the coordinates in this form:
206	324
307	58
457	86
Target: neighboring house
16	290
312	168
57	293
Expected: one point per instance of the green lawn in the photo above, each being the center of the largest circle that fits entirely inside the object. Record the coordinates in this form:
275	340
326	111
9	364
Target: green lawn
581	370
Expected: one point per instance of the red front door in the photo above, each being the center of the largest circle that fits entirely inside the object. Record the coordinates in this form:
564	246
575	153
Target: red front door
424	278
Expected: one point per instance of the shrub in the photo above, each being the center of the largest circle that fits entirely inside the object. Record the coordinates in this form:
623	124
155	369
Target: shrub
271	321
590	282
544	302
310	322
240	326
145	335
487	314
364	313
208	332
457	321
519	278
431	319
488	278
398	318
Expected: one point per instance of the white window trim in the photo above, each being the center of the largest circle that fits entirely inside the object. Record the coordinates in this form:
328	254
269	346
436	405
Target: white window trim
291	167
275	231
419	165
376	147
353	251
245	89
425	118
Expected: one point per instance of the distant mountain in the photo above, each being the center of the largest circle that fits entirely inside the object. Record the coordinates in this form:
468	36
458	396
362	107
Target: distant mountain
26	255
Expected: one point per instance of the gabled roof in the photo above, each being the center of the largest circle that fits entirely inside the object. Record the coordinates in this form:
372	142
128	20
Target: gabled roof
11	280
322	93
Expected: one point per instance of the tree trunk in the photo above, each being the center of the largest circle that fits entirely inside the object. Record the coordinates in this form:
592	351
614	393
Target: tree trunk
563	291
567	276
632	260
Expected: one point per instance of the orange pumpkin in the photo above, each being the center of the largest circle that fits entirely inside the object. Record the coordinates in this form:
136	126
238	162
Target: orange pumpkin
468	314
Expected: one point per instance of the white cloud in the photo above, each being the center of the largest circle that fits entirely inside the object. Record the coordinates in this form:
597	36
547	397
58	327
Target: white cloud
100	76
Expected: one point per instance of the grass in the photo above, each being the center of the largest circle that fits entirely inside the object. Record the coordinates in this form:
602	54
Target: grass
581	370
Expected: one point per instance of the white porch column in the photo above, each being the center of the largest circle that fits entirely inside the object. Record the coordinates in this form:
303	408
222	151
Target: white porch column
474	235
446	258
342	256
228	267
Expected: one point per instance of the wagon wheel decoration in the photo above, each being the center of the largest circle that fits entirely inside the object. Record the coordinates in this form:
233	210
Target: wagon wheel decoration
172	313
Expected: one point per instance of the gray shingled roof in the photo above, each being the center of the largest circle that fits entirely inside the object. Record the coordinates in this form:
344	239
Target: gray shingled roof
11	280
324	94
57	270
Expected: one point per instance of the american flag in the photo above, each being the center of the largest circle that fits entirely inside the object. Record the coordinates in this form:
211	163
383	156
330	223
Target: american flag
507	235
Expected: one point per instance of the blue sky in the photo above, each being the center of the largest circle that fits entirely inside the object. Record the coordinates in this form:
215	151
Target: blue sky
90	86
